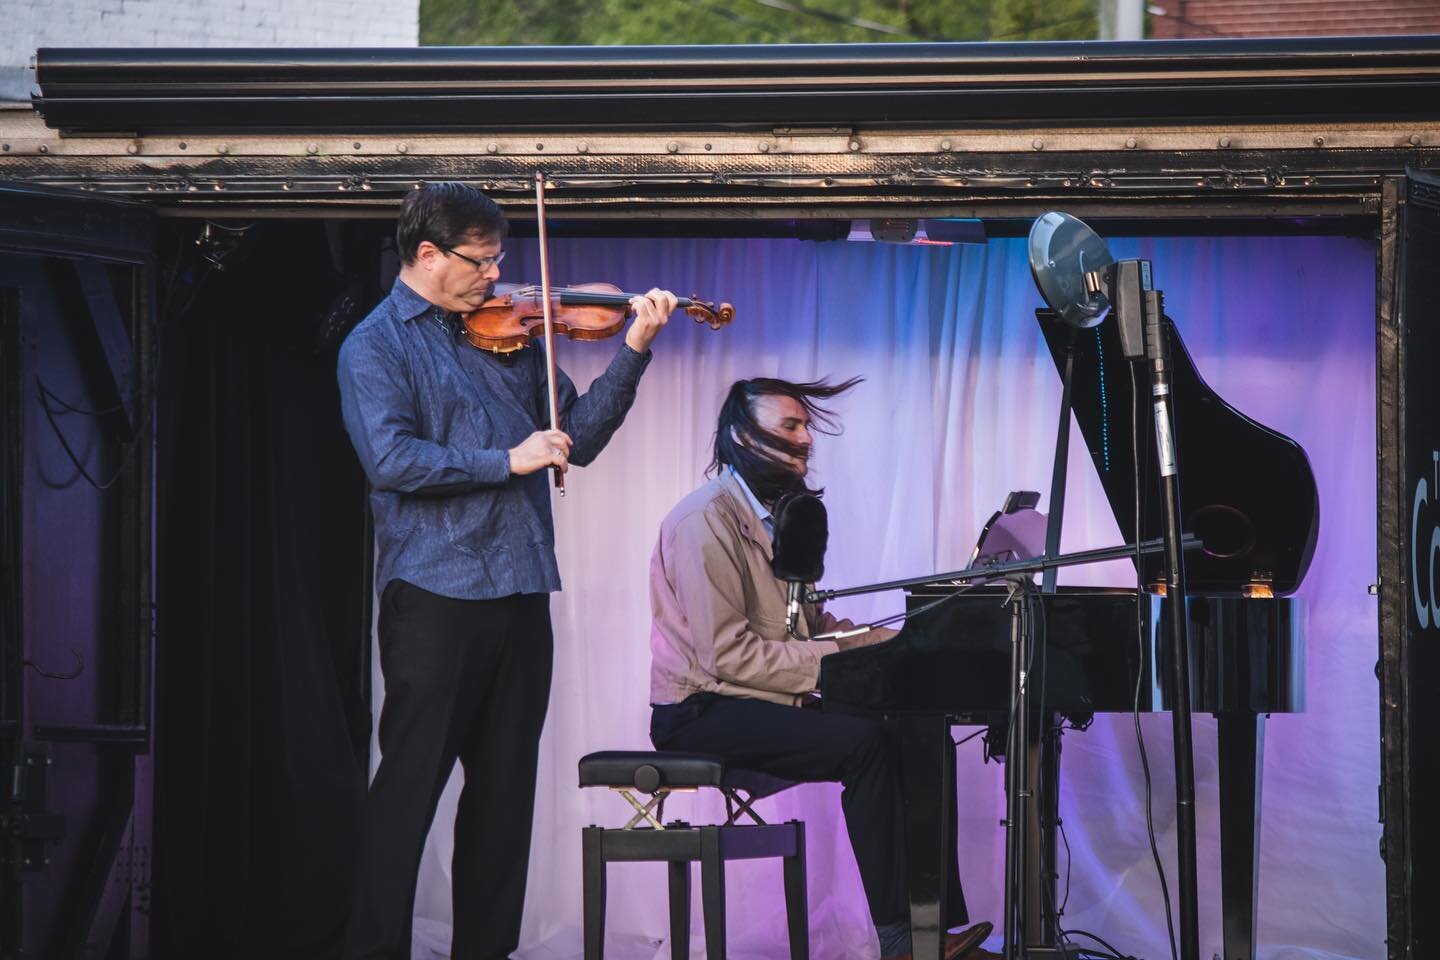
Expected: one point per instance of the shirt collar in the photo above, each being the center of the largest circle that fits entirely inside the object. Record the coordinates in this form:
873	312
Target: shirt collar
761	511
408	303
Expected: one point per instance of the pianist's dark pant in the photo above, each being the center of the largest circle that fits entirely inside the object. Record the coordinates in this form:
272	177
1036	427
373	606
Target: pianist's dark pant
467	680
798	743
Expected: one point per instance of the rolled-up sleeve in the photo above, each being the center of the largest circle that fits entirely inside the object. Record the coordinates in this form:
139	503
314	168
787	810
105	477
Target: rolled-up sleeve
708	582
377	405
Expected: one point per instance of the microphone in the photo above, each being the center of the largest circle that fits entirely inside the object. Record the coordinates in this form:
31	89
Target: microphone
798	549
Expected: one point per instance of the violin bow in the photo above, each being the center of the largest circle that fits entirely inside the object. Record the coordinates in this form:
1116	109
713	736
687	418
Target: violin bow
551	392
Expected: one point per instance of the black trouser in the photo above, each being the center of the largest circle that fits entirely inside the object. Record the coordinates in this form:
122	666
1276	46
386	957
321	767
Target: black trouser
805	744
466	679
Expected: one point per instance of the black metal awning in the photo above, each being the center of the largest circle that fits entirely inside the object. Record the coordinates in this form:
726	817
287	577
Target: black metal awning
144	91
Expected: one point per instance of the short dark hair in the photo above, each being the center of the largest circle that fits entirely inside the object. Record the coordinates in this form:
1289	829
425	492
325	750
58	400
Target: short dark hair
760	461
446	214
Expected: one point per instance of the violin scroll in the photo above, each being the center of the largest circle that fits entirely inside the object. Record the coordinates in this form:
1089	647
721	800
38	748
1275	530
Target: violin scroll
703	311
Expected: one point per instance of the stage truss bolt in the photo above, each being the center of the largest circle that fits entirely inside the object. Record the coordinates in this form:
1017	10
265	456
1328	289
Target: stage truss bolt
1414	139
539	146
355	145
764	146
672	147
1131	143
402	148
582	147
1224	143
132	148
853	145
709	146
222	148
312	148
44	149
492	147
946	146
183	145
1038	144
1319	141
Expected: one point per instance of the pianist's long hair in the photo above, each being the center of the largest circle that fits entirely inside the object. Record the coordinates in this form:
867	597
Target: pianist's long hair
758	455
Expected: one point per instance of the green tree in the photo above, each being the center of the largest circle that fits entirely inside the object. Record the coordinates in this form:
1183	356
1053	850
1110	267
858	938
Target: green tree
524	22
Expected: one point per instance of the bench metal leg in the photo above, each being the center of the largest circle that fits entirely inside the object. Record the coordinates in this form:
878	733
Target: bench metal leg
679	909
797	912
712	892
592	842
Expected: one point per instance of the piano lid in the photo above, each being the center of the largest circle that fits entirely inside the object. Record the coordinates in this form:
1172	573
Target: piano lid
1247	491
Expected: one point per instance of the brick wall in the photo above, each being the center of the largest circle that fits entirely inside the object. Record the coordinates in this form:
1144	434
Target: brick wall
1291	18
28	24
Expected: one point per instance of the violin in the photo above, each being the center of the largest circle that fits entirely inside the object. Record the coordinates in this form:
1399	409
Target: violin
515	315
592	311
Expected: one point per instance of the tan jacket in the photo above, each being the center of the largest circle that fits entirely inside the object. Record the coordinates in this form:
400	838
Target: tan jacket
717	610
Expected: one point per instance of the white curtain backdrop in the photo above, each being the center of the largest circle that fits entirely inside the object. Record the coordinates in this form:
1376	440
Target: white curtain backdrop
958	408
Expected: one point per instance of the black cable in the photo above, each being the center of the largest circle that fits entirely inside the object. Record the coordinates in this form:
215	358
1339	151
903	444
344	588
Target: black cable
970	737
1068	859
69	408
160	316
1139	672
130	446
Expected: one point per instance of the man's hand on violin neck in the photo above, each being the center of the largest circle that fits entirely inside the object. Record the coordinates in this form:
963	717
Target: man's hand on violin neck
651	312
543	448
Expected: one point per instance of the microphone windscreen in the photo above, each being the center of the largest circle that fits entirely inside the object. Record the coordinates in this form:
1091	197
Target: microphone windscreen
801	534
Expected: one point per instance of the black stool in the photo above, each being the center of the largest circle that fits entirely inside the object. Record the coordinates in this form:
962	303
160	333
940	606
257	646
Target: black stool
647	838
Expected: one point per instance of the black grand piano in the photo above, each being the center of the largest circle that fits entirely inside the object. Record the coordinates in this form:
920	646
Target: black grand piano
1249	494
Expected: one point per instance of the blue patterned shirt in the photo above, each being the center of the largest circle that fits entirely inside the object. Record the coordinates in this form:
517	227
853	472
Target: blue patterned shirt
432	420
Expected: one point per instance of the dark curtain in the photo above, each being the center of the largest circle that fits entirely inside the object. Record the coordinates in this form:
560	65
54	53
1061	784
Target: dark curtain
263	585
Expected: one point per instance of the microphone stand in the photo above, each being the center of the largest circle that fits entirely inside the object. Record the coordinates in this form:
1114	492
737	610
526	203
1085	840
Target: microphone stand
1157	345
1145	337
995	571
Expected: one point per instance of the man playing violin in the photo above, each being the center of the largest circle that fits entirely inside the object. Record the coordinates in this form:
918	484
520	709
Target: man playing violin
727	679
453	442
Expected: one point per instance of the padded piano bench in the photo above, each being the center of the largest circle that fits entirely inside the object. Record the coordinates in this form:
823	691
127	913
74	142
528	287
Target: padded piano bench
656	775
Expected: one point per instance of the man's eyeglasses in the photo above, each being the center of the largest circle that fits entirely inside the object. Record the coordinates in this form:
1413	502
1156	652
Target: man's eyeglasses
481	264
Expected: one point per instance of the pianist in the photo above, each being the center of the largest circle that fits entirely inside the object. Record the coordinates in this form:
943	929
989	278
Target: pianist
725	679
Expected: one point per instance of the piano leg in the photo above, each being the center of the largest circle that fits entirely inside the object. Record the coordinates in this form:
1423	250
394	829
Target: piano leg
1241	740
928	786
